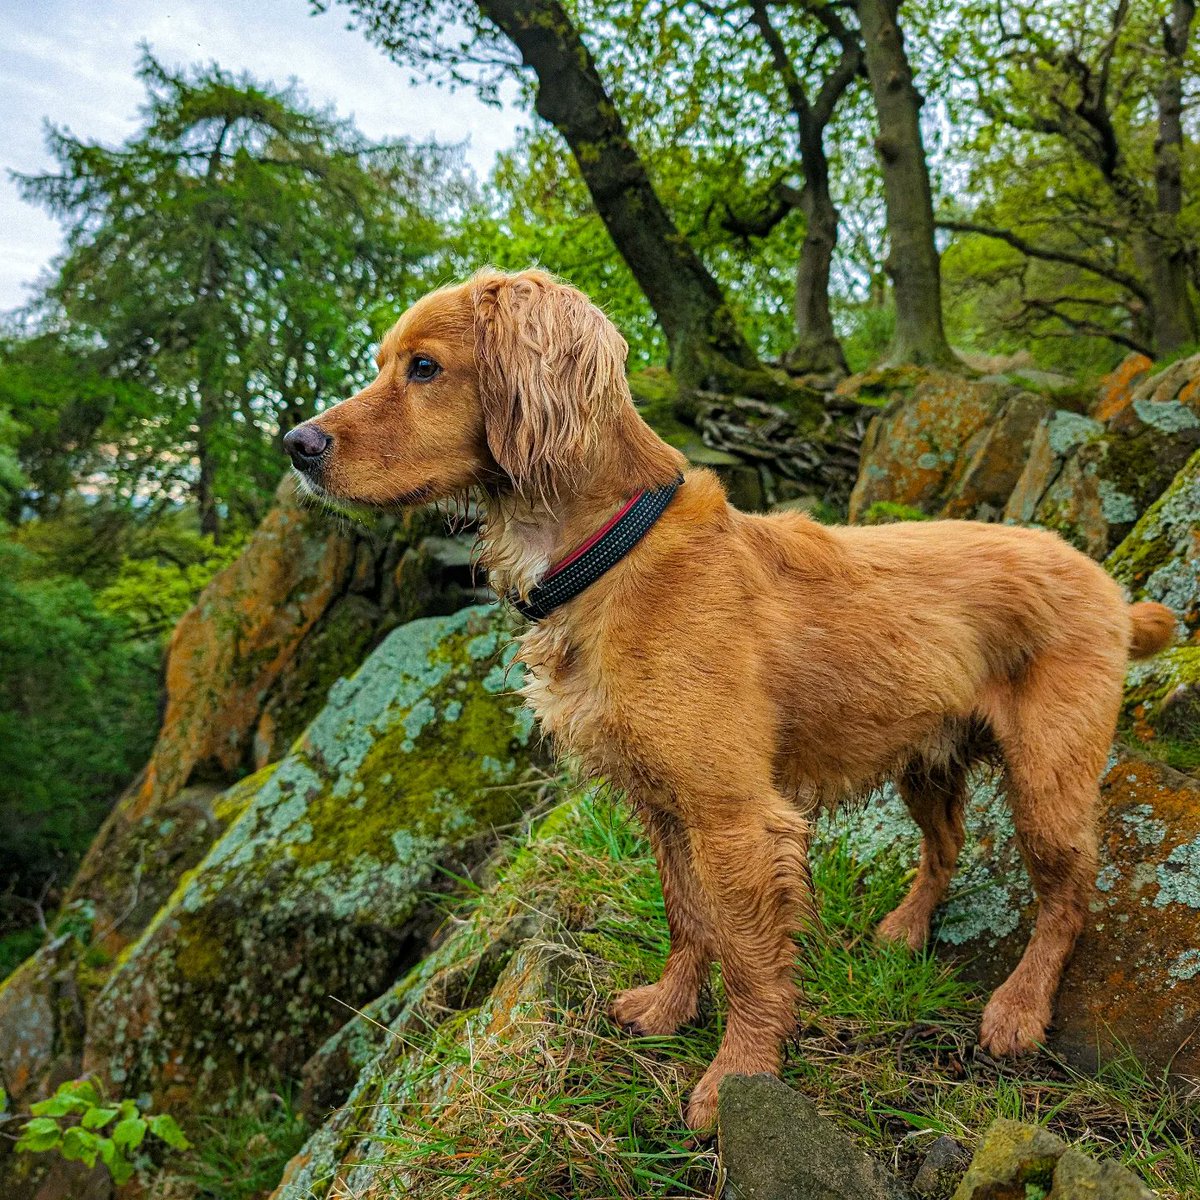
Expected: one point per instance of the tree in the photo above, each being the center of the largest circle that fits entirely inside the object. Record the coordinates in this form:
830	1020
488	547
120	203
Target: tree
913	263
232	257
707	349
1082	170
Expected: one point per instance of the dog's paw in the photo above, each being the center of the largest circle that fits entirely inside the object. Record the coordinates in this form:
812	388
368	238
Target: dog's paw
643	1012
903	927
702	1103
1012	1025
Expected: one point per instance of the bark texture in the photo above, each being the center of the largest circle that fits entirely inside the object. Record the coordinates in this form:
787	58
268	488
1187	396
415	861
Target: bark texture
707	349
913	263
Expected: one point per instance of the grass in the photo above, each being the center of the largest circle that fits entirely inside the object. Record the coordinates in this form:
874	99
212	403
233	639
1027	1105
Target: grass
535	1093
239	1156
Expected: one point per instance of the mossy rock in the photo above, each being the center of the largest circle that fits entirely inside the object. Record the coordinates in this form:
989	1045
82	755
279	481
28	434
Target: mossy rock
946	446
320	887
1134	980
1091	480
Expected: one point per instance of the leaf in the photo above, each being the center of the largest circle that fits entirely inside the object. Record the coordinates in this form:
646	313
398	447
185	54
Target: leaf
85	1089
58	1105
128	1134
164	1127
97	1118
3	1100
81	1146
41	1133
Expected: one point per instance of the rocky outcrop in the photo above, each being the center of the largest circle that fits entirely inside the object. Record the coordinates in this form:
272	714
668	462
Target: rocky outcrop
1134	980
1160	560
318	888
1091	479
944	445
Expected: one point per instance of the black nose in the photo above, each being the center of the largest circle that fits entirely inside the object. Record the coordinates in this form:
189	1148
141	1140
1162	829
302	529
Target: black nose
306	444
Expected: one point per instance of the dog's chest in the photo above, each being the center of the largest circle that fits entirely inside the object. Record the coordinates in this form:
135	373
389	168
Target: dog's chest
565	694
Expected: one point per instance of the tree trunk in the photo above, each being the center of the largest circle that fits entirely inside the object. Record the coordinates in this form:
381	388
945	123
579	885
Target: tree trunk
706	347
1167	260
817	347
912	262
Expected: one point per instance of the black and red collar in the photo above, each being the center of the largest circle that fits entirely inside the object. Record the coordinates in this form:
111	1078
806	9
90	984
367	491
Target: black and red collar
600	553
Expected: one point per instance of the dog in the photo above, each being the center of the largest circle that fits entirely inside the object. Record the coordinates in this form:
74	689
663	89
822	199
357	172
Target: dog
737	673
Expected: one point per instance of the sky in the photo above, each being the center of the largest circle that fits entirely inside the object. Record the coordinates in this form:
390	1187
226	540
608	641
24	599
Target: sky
72	61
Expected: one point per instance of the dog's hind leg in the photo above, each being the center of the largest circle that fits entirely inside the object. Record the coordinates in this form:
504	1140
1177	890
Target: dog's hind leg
935	795
1055	734
751	856
660	1008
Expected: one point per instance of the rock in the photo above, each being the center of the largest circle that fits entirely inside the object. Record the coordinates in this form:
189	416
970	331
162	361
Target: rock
1117	387
1090	480
947	446
1160	560
1134	980
941	1169
1015	1161
318	888
775	1145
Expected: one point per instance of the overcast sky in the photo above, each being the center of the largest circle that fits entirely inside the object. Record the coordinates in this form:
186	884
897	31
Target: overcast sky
72	61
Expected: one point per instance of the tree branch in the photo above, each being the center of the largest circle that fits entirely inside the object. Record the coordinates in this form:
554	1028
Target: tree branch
1047	253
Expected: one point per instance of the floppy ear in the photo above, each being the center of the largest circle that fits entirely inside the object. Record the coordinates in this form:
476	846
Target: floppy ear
551	366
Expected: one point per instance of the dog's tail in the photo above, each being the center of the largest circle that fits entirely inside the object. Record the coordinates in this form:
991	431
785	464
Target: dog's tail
1153	629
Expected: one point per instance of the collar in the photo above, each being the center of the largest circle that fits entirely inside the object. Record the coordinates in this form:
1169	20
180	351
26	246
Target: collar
601	552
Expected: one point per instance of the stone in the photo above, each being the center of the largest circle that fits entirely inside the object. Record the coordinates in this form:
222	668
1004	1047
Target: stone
1134	979
318	888
1015	1161
947	446
1160	560
775	1145
941	1169
1117	387
1090	479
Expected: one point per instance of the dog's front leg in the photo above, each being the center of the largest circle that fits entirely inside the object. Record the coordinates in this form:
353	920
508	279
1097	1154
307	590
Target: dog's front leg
660	1008
751	857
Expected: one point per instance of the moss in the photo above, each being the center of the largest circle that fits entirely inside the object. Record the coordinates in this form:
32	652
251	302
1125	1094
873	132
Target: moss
315	888
886	512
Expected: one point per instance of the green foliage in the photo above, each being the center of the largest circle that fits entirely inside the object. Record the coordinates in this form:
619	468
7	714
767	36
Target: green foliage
241	1154
77	717
81	1125
226	269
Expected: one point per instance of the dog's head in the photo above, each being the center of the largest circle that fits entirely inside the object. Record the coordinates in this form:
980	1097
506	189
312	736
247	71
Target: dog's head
505	381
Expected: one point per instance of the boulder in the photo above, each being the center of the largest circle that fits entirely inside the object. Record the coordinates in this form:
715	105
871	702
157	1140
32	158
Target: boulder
1091	479
1134	980
775	1145
1015	1161
1160	560
319	887
947	446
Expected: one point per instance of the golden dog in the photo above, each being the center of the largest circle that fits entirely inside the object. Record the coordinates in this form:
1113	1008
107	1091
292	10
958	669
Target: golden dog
734	673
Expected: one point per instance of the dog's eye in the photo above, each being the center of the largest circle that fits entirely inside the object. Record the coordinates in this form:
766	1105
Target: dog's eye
422	368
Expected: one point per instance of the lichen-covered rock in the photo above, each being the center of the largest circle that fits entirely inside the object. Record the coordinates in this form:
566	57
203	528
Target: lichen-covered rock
1134	979
1117	387
1091	479
1160	560
947	446
1018	1161
317	888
